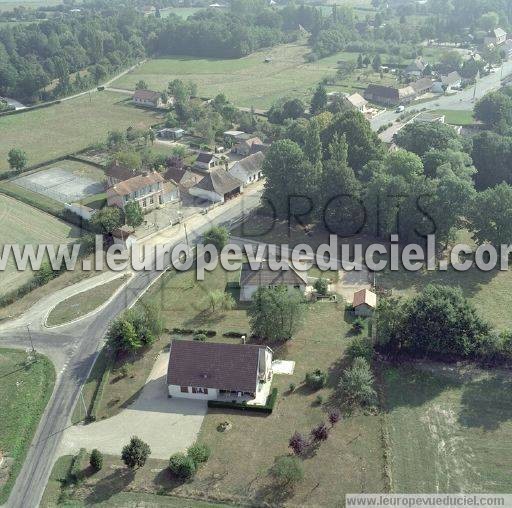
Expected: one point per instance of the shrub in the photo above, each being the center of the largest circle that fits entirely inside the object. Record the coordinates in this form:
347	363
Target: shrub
287	470
360	347
96	460
298	443
319	400
182	466
199	453
334	417
356	383
358	325
135	453
291	387
316	380
320	432
200	337
321	286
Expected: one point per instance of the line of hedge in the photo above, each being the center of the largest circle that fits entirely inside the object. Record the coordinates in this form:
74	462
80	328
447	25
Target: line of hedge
30	108
98	393
191	331
267	408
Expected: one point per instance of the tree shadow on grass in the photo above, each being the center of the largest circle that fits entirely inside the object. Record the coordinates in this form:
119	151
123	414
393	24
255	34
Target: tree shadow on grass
107	487
486	403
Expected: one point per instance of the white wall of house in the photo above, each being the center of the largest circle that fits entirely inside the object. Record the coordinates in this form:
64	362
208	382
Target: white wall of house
175	391
241	175
208	195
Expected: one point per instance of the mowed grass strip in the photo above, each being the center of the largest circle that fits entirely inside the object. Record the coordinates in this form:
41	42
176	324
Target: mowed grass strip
22	224
81	304
450	429
457	117
74	124
25	389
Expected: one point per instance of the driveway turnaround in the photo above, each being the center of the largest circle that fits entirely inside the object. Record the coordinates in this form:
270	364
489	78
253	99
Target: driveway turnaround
167	425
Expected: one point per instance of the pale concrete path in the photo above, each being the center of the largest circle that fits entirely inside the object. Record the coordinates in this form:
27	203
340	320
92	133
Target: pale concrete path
167	425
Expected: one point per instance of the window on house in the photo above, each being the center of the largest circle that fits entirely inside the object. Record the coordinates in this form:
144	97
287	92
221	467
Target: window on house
143	202
160	200
151	200
184	389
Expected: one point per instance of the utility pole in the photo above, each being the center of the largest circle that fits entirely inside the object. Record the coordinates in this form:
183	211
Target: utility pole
186	234
30	338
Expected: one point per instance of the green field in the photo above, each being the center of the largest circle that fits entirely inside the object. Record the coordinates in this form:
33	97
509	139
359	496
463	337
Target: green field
23	224
9	5
182	12
82	303
248	81
450	429
24	392
70	126
457	117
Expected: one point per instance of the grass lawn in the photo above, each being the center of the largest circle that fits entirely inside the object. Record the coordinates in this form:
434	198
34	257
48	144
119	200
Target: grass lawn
450	429
352	458
9	5
247	81
23	224
24	391
70	126
83	303
457	117
181	12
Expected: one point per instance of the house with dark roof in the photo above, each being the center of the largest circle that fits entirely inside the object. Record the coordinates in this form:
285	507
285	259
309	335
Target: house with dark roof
207	161
219	371
116	173
416	68
422	86
146	189
249	169
448	83
217	186
253	278
183	177
389	95
244	146
151	99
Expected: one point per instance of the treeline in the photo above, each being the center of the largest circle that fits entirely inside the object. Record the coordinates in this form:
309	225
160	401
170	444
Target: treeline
33	56
235	32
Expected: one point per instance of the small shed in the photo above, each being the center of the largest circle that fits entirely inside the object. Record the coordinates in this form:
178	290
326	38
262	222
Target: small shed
364	303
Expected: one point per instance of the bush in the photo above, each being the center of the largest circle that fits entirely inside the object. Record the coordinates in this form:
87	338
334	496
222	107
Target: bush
182	466
319	400
316	380
135	453
298	443
360	347
356	383
267	408
321	286
96	460
291	387
320	432
201	337
199	453
358	325
287	470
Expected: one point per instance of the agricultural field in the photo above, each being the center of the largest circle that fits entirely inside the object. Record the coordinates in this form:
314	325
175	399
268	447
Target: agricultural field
23	224
249	81
450	428
70	126
24	391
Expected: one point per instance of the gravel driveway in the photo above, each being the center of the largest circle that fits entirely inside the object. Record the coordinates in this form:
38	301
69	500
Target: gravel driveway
167	425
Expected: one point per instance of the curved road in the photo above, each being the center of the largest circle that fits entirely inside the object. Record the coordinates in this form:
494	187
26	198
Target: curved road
73	349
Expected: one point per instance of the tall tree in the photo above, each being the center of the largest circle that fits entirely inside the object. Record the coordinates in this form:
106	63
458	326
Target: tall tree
319	100
17	159
134	216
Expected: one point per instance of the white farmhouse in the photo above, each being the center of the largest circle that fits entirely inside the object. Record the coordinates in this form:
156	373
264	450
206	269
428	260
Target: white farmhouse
219	371
249	169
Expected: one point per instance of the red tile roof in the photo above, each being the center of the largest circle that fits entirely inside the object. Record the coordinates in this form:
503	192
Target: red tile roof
365	296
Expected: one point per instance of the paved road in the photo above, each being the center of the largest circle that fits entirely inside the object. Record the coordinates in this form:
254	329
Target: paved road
74	347
461	100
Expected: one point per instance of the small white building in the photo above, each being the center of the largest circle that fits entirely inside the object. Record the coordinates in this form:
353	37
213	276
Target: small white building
251	280
364	303
356	101
151	99
83	211
207	161
249	169
448	83
218	371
